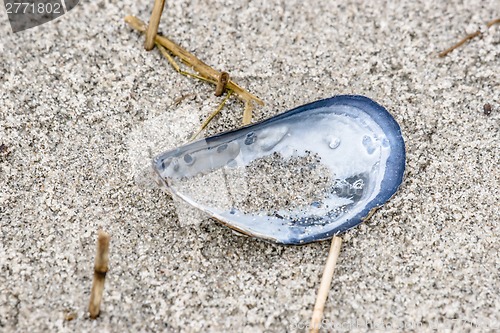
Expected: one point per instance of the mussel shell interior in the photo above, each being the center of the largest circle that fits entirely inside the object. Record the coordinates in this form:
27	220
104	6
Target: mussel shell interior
302	176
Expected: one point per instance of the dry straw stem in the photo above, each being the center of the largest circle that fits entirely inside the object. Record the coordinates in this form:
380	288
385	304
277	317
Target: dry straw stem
222	80
154	22
100	270
221	84
324	287
247	114
467	38
177	68
191	60
212	115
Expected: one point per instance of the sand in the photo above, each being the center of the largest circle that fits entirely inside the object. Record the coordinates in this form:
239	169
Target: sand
266	185
76	94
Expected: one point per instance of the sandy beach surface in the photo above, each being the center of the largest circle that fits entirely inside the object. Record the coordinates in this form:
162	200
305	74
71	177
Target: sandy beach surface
83	106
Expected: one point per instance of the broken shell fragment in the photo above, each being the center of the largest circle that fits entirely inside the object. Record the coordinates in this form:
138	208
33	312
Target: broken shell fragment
299	177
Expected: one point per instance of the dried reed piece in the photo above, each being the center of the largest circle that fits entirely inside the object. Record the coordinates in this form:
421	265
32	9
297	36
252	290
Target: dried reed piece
178	69
212	115
221	84
324	287
205	71
100	270
247	113
154	22
467	38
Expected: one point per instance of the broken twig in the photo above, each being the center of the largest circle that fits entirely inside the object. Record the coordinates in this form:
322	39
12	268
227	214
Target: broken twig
191	60
247	114
467	38
212	115
324	287
154	22
221	84
100	270
177	68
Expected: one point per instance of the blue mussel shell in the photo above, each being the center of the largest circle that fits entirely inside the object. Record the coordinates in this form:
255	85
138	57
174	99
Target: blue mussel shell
357	142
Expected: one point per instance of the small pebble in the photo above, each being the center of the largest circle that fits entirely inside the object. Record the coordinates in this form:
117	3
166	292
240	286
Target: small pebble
487	109
4	151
